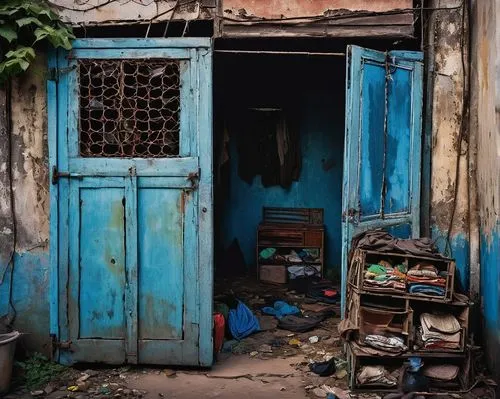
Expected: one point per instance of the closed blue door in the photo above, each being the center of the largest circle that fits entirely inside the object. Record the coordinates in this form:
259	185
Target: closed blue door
133	177
382	155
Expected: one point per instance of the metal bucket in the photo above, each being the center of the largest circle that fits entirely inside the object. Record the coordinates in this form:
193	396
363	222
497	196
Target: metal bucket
7	349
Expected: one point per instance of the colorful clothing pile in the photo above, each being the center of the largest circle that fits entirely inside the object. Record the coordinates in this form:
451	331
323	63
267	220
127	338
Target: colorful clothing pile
425	279
439	331
383	275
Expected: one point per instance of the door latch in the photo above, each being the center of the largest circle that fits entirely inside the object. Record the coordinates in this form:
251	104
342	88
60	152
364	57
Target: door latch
194	178
56	175
57	344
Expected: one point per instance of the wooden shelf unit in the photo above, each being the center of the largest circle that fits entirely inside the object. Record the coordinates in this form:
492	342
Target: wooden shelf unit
292	228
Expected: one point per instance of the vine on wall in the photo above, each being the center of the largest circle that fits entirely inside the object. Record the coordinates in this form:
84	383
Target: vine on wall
26	25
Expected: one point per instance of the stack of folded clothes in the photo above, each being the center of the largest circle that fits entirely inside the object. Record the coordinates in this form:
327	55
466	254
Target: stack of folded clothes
439	331
383	275
376	376
424	278
441	375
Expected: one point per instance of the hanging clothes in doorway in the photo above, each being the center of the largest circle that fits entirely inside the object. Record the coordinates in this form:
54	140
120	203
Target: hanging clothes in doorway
269	145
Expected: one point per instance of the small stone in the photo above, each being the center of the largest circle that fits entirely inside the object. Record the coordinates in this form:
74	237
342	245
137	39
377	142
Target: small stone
49	388
83	378
313	339
264	348
114	386
169	372
127	391
161	395
83	386
282	389
254	353
340	374
320	393
309	387
91	373
122	376
37	393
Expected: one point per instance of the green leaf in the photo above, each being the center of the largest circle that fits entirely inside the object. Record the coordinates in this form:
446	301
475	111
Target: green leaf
8	33
22	52
28	20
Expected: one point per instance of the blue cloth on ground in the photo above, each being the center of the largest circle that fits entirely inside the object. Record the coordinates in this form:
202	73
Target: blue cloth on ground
242	322
281	309
426	289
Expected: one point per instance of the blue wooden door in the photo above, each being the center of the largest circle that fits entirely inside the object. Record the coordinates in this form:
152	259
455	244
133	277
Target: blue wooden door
133	171
382	155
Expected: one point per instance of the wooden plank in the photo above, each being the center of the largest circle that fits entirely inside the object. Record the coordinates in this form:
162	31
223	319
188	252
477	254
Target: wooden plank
144	167
159	43
140	53
206	244
63	205
131	267
52	133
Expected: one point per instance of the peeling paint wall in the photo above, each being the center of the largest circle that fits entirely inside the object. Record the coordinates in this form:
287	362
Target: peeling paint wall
449	195
29	171
485	126
95	12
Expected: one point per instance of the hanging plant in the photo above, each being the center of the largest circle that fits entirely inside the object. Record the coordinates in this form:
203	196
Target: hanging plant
24	26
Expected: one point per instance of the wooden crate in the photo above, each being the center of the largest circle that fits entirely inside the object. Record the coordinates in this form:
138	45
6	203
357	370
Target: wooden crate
461	312
361	258
357	359
365	318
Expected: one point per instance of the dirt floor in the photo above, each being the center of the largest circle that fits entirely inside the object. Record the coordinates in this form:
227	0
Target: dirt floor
273	363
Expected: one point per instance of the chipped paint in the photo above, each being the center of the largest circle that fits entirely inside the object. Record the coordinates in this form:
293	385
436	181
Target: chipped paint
299	8
485	125
95	12
449	195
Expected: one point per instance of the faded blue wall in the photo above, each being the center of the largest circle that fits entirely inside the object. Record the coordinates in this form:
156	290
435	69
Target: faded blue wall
30	297
319	95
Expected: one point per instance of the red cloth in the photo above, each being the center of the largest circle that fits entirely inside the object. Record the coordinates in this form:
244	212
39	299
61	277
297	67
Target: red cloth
219	329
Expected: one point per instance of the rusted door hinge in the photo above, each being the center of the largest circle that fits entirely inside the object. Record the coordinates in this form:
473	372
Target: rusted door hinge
61	345
349	215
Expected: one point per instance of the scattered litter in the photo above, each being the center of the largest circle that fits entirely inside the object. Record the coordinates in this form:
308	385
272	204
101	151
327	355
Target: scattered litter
309	387
170	373
37	393
49	388
264	348
319	392
254	353
340	374
338	392
73	388
290	335
294	342
282	389
323	369
313	339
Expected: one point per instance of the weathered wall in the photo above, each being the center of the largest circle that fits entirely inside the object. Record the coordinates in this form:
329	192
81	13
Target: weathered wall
449	189
319	18
97	12
29	170
485	126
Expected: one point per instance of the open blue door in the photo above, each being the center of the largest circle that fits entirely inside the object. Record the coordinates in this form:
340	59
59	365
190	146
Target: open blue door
382	156
131	157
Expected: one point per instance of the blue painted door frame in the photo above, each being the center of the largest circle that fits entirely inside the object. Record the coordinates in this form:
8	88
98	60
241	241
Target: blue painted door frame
382	154
132	238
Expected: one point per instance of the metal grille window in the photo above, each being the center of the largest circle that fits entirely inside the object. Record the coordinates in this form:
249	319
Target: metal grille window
129	108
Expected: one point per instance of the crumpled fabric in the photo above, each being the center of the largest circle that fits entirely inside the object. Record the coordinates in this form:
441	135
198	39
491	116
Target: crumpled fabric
242	322
380	240
443	372
375	375
390	344
281	309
